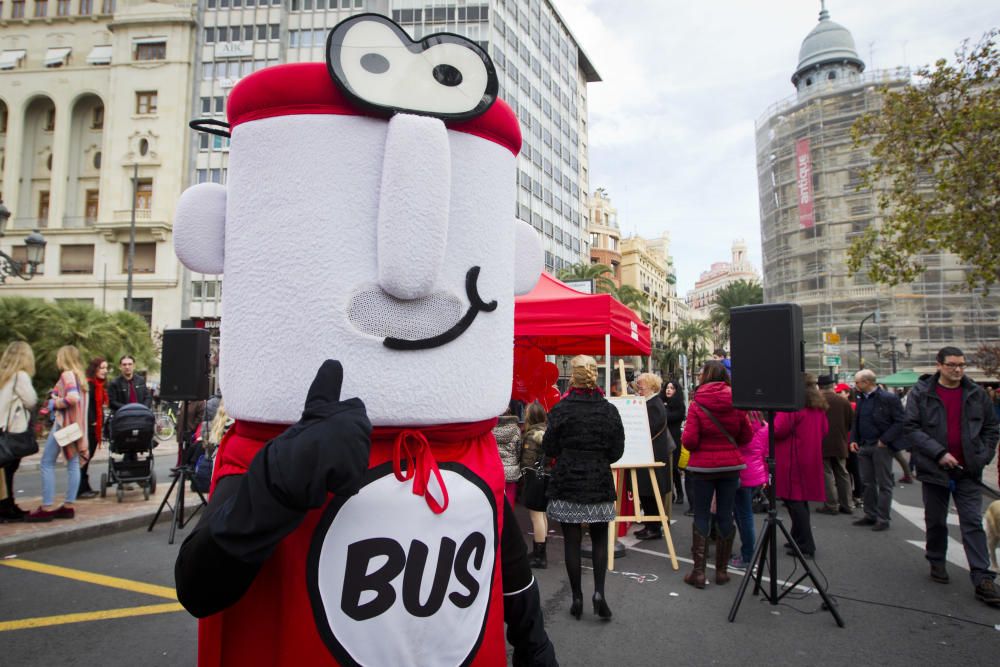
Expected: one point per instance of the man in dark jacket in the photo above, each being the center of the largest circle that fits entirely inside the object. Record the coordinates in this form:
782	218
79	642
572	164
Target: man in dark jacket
128	387
877	433
953	430
839	416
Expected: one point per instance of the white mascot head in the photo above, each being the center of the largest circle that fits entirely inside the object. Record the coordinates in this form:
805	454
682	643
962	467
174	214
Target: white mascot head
367	217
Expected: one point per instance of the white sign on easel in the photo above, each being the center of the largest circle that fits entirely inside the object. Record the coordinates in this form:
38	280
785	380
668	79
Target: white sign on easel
638	443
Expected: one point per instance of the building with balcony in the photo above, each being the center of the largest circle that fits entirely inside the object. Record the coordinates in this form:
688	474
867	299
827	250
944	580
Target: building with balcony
543	75
813	205
647	266
702	297
604	235
94	99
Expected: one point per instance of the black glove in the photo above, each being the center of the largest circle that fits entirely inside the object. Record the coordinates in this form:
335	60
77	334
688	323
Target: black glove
326	451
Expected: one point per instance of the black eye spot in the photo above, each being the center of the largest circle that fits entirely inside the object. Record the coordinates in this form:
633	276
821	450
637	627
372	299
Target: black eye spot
375	63
447	75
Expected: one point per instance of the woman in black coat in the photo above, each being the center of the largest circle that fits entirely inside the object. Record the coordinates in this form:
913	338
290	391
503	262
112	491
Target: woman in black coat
585	436
656	412
673	398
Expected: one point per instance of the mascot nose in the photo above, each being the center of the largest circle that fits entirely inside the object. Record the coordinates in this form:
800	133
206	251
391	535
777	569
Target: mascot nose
414	203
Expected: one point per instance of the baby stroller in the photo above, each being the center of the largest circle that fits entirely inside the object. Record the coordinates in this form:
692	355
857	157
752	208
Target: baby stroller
130	458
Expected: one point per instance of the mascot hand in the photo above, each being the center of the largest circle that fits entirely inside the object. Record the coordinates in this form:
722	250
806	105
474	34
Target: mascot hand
326	451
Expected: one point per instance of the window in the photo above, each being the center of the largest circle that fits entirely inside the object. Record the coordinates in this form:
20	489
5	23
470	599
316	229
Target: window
62	8
86	7
97	120
41	8
50	119
97	160
90	207
144	193
43	208
107	6
19	253
220	104
76	259
145	102
17	9
209	35
202	290
151	51
143	307
144	260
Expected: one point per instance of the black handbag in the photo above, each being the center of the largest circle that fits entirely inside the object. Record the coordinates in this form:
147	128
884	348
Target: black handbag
15	446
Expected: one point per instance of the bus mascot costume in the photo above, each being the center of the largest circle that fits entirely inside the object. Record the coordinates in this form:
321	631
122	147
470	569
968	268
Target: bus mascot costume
367	218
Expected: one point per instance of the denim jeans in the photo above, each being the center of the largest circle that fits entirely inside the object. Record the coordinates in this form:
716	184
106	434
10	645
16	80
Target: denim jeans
744	520
48	468
724	491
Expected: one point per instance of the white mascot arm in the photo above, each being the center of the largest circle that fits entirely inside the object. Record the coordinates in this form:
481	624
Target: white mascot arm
529	258
200	228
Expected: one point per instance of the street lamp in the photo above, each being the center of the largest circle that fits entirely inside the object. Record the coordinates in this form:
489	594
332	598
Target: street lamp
861	363
893	354
35	251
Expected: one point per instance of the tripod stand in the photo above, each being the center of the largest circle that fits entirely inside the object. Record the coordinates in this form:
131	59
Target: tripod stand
181	474
765	554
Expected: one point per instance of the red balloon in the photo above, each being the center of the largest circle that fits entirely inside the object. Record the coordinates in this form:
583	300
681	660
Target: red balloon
550	398
550	373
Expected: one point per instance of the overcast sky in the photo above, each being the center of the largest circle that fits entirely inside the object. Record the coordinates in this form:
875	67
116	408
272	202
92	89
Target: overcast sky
672	122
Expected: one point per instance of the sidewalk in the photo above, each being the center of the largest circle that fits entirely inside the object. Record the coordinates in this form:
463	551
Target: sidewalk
97	516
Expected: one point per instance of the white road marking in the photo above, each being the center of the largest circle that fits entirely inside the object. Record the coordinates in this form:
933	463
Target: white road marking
915	515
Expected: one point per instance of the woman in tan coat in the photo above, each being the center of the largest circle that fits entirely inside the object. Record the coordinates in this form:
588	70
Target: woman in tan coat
68	401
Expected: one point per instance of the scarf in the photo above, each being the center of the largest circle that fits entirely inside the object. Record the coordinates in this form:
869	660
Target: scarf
100	399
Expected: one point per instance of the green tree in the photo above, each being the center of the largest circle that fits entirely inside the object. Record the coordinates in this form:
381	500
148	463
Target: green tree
48	326
599	273
936	158
668	361
733	295
633	298
691	336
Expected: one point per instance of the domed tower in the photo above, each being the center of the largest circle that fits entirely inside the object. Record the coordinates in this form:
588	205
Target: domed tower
827	54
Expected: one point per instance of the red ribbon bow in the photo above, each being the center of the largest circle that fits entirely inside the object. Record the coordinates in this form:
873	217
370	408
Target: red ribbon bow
420	464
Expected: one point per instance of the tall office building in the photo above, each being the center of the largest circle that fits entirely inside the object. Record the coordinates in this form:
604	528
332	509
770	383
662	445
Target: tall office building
92	94
812	206
543	75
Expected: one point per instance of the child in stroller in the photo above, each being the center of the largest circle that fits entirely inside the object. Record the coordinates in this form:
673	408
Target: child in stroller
130	457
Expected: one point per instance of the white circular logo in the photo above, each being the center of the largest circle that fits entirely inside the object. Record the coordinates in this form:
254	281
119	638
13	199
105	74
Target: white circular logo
393	583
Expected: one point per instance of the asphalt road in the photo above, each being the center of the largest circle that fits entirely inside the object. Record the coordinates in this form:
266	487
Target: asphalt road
894	614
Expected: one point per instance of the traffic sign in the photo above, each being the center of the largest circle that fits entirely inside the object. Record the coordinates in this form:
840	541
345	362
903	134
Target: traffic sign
831	361
831	337
831	349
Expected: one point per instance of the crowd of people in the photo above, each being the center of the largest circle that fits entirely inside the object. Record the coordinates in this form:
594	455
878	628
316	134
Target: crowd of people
79	407
833	456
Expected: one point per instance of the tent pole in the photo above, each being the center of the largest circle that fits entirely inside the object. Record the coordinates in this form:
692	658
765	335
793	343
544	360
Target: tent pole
607	364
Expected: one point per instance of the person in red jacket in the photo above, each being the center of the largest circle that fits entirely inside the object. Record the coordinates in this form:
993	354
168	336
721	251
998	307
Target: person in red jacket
798	462
713	434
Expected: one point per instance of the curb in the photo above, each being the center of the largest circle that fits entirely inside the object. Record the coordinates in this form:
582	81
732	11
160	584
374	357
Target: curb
11	546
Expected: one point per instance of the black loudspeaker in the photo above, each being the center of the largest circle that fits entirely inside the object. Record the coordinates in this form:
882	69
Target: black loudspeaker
768	357
184	365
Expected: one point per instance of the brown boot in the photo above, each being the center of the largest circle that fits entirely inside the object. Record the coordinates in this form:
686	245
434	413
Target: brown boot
723	550
697	575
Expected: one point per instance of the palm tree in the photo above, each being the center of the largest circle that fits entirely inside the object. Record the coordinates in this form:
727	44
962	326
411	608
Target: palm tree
690	336
668	361
596	272
733	295
633	298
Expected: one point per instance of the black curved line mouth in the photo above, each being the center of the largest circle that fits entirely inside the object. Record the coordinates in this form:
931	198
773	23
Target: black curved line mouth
476	304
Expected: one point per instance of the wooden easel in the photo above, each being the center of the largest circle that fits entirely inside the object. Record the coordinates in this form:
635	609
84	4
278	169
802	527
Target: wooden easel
662	515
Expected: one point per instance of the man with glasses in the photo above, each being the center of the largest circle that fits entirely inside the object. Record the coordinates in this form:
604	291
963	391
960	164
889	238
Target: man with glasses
953	430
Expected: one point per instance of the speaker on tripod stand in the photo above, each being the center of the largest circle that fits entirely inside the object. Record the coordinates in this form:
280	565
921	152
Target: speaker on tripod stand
768	361
185	377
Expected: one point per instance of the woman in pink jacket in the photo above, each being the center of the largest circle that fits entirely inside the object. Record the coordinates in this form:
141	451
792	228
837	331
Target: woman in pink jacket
798	461
752	478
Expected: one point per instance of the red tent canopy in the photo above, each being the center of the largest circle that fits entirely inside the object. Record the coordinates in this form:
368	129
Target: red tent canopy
560	320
